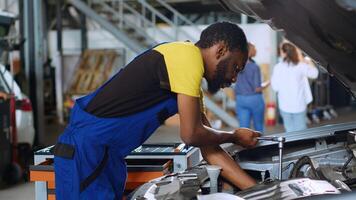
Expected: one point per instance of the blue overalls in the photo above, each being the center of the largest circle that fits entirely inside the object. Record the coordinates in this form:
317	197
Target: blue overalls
89	156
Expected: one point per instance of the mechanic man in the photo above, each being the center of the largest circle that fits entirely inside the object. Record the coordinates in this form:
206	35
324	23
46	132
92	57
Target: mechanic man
106	125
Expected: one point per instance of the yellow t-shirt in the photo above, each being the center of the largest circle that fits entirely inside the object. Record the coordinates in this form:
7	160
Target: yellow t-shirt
155	75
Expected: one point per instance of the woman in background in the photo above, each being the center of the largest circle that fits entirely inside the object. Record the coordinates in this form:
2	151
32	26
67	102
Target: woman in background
290	81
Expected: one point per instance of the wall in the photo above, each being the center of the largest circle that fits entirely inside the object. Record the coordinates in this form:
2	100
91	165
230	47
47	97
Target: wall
97	39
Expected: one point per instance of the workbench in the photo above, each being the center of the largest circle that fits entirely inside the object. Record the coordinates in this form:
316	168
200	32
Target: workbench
145	163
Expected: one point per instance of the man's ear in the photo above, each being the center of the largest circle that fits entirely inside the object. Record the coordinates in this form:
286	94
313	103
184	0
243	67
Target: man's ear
220	50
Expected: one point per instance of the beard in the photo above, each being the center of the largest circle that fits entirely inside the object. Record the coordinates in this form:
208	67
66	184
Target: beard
218	80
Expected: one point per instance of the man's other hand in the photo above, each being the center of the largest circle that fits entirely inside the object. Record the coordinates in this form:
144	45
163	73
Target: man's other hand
246	137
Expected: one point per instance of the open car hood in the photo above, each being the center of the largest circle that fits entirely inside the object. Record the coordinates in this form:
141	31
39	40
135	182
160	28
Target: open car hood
324	30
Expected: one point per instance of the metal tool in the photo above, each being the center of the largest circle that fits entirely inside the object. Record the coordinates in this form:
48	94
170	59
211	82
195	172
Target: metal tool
280	141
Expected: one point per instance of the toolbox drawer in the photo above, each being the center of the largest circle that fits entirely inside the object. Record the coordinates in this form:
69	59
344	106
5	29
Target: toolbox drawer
43	171
140	171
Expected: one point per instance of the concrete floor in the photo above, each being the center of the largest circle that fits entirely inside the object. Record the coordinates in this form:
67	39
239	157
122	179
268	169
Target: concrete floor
21	191
26	191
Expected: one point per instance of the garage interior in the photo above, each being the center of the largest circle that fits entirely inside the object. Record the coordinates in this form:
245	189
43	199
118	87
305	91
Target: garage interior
53	52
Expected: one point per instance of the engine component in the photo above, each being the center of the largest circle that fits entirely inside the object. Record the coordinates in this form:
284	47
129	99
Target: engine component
213	172
307	167
304	167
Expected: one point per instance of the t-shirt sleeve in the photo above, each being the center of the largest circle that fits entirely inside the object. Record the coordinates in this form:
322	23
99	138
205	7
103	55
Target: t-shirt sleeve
309	70
186	79
184	67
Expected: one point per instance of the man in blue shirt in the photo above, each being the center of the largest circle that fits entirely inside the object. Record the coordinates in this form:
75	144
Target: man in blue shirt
248	90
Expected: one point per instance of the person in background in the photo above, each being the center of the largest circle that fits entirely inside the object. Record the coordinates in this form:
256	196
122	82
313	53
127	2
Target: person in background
250	105
290	82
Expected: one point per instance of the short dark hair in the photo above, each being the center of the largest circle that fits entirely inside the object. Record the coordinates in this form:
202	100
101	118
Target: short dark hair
231	34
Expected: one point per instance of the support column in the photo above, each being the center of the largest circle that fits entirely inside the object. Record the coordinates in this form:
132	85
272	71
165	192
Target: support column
34	59
83	31
38	67
59	62
22	10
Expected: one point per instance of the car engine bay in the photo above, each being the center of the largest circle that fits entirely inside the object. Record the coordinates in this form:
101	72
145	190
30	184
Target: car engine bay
325	153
